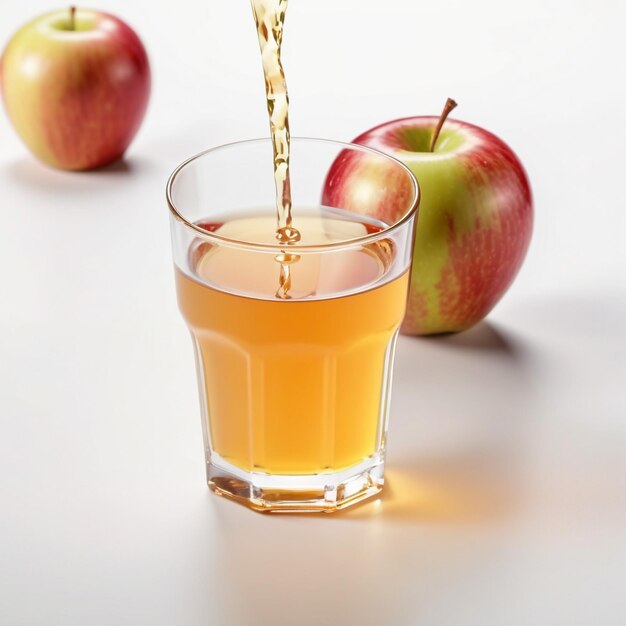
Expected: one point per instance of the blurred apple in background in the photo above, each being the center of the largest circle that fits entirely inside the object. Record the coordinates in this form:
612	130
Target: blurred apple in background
474	221
76	84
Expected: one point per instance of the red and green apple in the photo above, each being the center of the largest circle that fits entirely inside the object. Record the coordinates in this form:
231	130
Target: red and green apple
76	85
474	221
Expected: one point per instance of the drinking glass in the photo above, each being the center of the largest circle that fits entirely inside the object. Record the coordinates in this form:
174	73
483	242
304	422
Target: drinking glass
294	343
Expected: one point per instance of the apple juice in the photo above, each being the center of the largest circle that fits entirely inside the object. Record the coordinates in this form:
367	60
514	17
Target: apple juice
269	17
293	385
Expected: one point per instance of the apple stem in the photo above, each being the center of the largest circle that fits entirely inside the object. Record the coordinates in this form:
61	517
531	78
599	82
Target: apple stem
72	18
450	104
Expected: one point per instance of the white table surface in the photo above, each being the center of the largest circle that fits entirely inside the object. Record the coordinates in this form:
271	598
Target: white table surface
506	500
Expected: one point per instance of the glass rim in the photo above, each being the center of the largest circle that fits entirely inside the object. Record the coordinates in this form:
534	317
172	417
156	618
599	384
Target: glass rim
270	247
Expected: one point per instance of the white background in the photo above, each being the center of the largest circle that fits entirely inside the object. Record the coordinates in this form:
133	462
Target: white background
506	501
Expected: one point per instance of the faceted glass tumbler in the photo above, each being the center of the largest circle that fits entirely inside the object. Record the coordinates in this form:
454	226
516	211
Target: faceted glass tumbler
294	344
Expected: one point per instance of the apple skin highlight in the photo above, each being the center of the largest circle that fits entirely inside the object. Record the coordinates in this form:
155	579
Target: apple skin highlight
76	96
474	222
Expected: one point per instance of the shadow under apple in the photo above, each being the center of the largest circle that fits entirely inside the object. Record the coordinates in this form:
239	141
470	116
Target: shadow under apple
36	176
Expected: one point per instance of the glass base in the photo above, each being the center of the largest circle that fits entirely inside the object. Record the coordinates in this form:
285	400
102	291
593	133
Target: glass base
272	493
